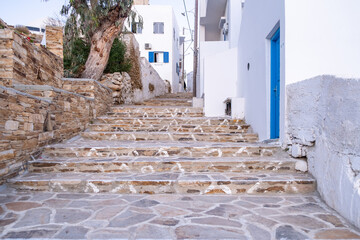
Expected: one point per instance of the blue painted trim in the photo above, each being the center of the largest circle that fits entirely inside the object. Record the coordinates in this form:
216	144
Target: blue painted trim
166	57
151	57
275	86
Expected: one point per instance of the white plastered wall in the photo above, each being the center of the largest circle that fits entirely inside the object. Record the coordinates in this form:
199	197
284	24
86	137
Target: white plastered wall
160	42
322	122
221	76
254	49
322	37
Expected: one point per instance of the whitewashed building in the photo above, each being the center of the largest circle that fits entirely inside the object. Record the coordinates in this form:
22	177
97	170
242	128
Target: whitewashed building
159	39
277	60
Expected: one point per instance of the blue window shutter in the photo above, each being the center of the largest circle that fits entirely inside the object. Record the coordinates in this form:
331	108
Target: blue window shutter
166	57
151	57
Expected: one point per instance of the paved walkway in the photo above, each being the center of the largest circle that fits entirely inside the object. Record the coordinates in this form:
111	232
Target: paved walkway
47	215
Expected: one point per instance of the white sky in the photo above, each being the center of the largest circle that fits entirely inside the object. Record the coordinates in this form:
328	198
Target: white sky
34	12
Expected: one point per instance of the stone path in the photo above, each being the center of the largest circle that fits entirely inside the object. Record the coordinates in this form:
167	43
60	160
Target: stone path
25	214
164	171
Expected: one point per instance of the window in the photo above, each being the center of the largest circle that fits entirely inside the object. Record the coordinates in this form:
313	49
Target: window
158	28
136	28
159	57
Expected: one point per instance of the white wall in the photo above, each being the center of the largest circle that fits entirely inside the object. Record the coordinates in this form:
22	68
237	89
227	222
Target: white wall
259	20
175	56
208	49
160	42
322	37
220	79
234	16
324	125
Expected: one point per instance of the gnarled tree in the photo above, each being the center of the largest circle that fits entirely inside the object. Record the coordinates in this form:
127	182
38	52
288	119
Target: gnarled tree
99	22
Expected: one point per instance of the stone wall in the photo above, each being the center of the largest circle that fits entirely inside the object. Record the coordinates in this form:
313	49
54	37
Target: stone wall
142	82
28	122
37	106
323	124
22	62
54	40
92	89
133	54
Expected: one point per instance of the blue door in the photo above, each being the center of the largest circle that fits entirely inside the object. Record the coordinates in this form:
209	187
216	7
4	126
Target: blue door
275	86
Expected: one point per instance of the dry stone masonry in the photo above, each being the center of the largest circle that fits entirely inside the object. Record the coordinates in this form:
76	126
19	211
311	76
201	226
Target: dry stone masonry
141	83
54	40
22	62
37	106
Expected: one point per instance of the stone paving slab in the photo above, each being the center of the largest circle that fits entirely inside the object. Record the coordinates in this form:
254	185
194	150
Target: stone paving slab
168	183
168	102
45	215
155	164
137	126
105	148
204	121
136	111
182	95
171	136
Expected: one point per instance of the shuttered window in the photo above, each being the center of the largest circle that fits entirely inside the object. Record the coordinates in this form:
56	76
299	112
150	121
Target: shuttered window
159	57
158	28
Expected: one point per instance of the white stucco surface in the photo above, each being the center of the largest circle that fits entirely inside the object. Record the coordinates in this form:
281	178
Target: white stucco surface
160	42
260	19
208	49
322	37
219	81
323	124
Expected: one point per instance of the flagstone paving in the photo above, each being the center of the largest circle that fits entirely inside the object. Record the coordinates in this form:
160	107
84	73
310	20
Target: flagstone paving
164	171
25	214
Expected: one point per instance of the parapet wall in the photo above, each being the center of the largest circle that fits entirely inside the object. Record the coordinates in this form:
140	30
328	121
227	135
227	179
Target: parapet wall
27	123
323	124
22	62
37	106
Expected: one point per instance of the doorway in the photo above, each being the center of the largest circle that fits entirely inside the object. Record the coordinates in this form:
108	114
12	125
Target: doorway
275	86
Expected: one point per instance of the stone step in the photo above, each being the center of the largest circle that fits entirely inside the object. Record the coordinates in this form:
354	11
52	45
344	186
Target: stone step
154	114
168	128
168	102
167	183
106	148
176	95
170	121
171	136
155	111
177	165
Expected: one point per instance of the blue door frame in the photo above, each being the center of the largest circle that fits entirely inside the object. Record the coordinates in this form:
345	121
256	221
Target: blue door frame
275	86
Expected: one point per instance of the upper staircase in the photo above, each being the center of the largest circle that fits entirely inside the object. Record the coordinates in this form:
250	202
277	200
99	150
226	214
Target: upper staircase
165	146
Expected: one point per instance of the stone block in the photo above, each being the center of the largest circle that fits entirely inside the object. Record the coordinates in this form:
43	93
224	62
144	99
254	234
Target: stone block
6	34
28	127
5	155
198	102
11	125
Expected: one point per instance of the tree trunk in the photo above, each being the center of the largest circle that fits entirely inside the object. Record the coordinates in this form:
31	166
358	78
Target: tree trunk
101	43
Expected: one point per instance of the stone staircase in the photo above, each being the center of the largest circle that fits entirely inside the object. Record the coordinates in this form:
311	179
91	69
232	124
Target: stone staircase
165	146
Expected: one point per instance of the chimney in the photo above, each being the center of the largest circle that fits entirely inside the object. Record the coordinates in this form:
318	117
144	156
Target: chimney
54	40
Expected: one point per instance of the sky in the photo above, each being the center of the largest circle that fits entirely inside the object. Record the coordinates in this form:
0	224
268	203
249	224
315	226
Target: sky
34	12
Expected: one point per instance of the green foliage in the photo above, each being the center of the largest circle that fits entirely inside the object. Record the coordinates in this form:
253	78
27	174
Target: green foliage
86	16
75	58
117	60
